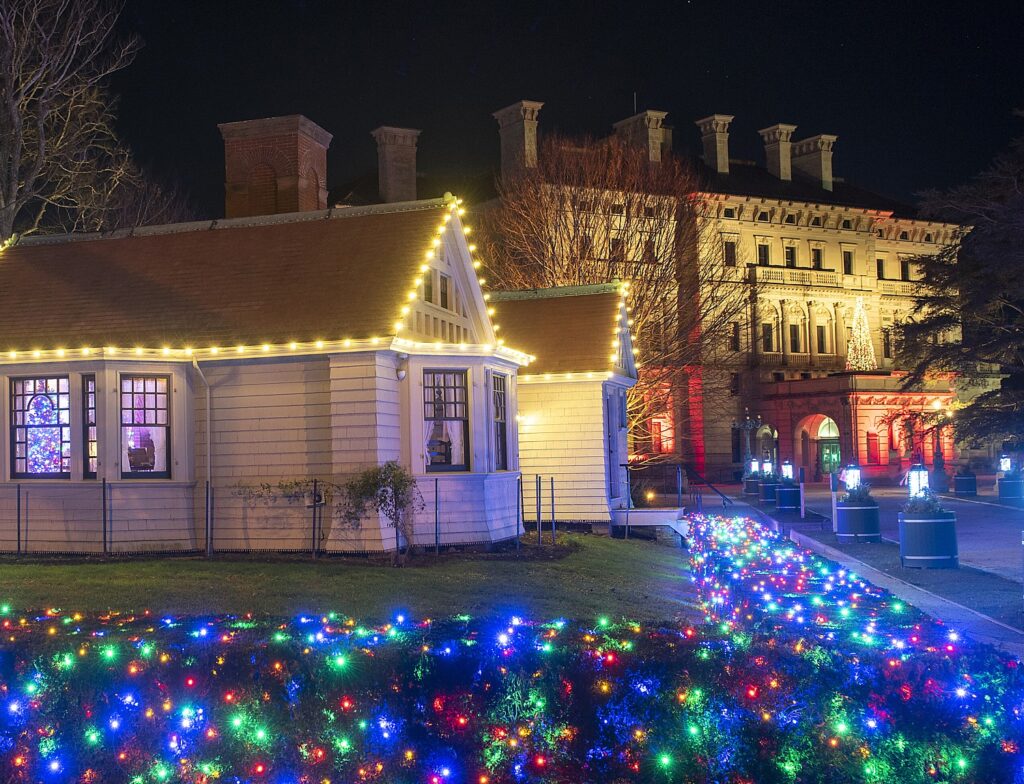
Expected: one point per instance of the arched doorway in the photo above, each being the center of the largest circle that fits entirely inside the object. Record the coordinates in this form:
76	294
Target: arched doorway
818	439
766	444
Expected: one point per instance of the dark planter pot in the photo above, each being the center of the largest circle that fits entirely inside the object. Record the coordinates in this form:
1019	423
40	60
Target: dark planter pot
787	497
1011	489
858	523
965	486
928	541
768	492
750	486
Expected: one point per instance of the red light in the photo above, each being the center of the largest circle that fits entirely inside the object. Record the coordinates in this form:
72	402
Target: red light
346	703
610	658
463	721
259	769
190	682
752	692
539	761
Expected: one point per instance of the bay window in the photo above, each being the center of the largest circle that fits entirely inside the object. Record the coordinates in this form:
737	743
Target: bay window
500	391
446	420
91	457
145	427
41	428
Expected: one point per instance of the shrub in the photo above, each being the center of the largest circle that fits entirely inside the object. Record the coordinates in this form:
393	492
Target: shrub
926	503
861	494
387	489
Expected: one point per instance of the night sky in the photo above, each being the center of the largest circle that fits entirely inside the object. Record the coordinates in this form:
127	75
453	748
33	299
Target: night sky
920	94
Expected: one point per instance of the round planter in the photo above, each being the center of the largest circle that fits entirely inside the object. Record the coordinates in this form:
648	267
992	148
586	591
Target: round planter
1011	489
787	497
768	492
750	486
928	541
858	523
965	486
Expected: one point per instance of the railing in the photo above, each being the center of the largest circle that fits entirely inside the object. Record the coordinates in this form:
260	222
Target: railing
900	288
680	479
799	360
794	276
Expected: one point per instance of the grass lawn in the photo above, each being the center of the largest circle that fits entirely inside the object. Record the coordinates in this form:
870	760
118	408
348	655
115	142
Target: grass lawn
583	576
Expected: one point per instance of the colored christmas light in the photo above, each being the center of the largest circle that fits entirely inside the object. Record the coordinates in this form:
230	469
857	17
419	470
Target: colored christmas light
800	672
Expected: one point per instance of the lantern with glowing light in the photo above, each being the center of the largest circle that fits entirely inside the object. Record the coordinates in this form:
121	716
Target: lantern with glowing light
851	477
787	470
1005	464
917	481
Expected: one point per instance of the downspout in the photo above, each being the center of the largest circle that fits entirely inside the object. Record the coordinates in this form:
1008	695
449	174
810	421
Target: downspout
209	461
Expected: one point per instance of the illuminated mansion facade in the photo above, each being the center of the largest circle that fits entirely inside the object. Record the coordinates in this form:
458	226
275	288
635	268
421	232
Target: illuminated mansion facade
823	266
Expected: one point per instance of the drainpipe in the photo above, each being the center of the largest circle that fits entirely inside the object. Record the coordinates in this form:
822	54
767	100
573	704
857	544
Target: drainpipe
209	461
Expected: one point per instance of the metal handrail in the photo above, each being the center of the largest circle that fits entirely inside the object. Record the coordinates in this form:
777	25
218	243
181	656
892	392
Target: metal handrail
725	499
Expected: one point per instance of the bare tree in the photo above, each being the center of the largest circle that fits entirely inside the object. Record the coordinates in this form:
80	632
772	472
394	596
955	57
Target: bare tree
593	211
61	164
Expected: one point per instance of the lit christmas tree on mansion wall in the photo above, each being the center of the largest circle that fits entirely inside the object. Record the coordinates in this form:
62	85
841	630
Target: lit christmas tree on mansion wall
860	353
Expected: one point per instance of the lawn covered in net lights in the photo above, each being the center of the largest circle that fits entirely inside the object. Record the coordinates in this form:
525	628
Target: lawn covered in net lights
802	673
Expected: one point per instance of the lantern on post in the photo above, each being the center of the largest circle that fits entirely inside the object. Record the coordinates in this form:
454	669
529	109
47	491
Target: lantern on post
1005	464
754	466
851	477
787	470
917	481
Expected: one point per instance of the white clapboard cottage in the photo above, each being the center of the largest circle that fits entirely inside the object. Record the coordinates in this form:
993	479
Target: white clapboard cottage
249	355
572	397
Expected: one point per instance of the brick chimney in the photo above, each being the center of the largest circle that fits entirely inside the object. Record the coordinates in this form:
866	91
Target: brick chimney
517	126
714	133
647	130
813	157
396	162
777	143
274	165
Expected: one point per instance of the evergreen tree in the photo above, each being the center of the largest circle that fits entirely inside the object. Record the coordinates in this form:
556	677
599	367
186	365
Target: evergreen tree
969	317
860	354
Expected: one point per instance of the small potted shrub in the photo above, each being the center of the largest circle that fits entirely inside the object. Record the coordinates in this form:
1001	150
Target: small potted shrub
928	534
787	494
767	486
751	482
965	482
857	516
1011	485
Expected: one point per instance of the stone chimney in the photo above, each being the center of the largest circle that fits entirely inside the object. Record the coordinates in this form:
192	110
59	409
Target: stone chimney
274	165
396	163
777	143
813	157
714	133
647	130
517	126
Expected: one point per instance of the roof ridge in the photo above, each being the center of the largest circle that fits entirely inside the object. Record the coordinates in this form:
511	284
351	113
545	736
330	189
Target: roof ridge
331	213
554	292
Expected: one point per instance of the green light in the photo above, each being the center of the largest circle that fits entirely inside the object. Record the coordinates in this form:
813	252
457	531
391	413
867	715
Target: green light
362	724
340	661
261	734
603	621
5	609
842	727
547	647
237	721
344	744
693	730
897	607
665	761
961	763
146	650
161	773
109	653
92	737
280	636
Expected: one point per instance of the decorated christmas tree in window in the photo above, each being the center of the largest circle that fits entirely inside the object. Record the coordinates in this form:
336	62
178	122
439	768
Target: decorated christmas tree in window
860	353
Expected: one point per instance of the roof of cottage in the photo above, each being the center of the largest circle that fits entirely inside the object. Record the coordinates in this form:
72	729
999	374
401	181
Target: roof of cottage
329	274
569	329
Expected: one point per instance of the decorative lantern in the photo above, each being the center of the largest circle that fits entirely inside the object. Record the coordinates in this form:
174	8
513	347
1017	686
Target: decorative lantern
755	466
787	469
851	477
917	481
1005	464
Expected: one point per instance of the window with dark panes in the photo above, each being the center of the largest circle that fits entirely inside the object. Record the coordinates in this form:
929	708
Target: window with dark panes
428	286
445	292
91	456
904	269
767	344
734	341
790	253
446	420
847	262
145	427
822	342
880	268
729	250
499	385
41	428
763	255
794	338
816	258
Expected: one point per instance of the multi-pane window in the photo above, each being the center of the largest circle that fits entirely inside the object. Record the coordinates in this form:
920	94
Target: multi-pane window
794	337
762	255
767	344
145	427
428	286
734	338
816	258
446	420
822	341
91	456
847	262
446	286
904	269
887	343
41	427
790	254
729	212
729	250
880	268
499	384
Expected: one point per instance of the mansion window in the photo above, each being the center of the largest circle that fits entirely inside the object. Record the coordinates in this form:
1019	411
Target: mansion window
618	209
847	223
734	338
616	249
499	385
847	262
790	253
794	338
887	343
767	341
729	252
446	420
822	339
763	217
729	212
880	268
145	427
791	219
816	220
41	427
904	269
91	457
927	237
816	258
904	235
763	258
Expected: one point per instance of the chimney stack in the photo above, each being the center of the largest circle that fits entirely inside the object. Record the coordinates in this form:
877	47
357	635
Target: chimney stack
274	165
777	143
396	163
517	126
714	133
813	157
647	130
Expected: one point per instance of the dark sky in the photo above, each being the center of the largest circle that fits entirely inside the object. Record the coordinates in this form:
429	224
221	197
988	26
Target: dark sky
920	94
